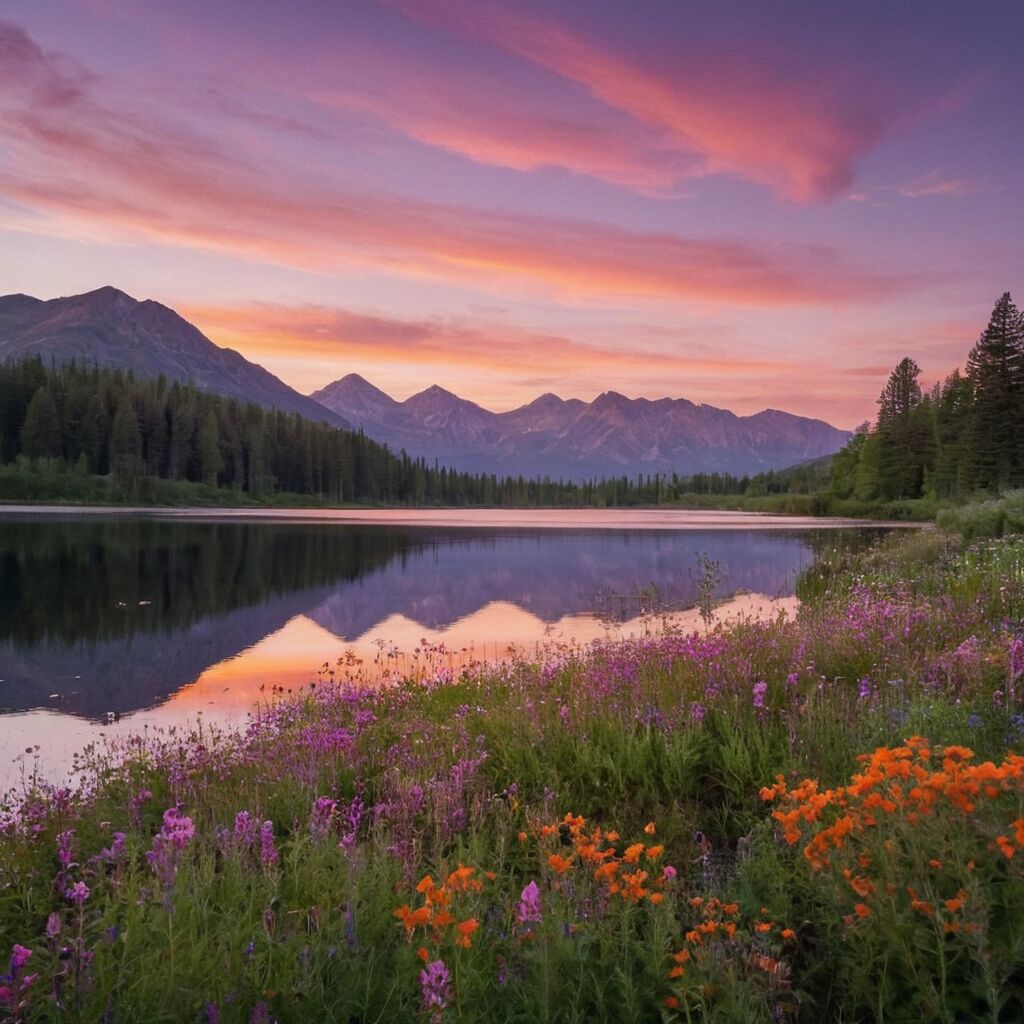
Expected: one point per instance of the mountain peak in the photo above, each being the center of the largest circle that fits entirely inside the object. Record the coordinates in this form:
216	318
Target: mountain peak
110	328
106	295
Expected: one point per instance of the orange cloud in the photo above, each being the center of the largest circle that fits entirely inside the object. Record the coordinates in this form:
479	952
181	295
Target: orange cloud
312	331
742	117
68	154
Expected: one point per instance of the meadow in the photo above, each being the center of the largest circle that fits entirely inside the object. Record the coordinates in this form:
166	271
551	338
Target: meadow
819	817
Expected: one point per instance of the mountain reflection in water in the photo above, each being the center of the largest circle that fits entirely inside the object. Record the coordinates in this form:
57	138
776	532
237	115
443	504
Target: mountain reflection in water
118	615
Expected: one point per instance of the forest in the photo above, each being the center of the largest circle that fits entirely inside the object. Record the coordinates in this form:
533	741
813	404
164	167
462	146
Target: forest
78	431
964	437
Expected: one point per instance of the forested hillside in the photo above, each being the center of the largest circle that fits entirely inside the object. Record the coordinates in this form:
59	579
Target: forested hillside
61	425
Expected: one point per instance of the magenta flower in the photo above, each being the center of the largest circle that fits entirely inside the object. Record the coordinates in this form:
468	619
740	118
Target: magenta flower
64	848
268	851
20	956
528	910
435	988
78	893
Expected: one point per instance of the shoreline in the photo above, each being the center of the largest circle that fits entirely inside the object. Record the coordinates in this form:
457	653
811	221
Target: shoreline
475	518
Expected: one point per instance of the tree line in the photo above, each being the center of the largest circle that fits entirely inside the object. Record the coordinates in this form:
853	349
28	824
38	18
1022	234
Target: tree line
85	420
963	437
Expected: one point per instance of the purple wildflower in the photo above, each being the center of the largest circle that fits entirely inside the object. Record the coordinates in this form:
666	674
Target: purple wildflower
760	689
78	893
64	848
435	988
268	851
669	872
697	712
20	956
321	816
528	910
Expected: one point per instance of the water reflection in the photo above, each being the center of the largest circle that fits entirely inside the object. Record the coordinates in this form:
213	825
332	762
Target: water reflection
113	616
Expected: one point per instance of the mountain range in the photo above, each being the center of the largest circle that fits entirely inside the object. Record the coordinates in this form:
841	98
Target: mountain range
112	329
611	436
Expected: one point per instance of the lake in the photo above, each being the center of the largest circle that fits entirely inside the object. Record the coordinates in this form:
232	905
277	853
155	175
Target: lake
112	622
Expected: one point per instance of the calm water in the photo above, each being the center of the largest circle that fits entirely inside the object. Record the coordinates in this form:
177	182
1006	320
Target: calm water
116	623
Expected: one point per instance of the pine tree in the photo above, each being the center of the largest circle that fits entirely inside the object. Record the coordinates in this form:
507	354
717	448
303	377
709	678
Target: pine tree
125	443
995	369
901	434
40	434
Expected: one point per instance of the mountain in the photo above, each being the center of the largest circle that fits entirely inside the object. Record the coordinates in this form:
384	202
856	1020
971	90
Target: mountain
610	436
112	329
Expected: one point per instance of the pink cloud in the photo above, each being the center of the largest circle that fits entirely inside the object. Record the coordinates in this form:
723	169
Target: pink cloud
737	115
69	154
936	184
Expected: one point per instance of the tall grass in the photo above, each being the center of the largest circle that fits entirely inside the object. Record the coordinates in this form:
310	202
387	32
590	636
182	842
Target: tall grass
610	803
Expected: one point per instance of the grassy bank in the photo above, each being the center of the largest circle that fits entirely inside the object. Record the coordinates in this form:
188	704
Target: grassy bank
43	484
678	827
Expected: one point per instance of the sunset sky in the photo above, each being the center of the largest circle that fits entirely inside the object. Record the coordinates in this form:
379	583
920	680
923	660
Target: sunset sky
745	204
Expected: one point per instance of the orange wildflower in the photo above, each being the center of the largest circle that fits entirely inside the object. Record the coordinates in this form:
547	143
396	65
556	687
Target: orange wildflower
632	854
677	972
957	902
423	954
788	934
763	926
466	929
649	828
1006	847
522	837
559	864
671	1002
862	910
654	852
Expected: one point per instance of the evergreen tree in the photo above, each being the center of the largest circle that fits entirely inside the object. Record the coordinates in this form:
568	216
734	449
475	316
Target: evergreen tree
40	433
125	443
210	461
902	434
995	369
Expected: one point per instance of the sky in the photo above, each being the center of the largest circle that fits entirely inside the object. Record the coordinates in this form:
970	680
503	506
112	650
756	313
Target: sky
747	204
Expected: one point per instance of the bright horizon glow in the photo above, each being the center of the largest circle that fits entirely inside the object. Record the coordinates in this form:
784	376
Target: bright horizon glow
511	200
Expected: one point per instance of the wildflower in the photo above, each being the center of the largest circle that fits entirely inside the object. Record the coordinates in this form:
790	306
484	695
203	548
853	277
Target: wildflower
788	934
654	852
268	851
20	956
1005	846
957	902
528	911
64	853
78	893
321	816
466	929
649	828
632	854
522	837
862	910
760	690
423	954
669	873
672	1003
435	988
559	864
